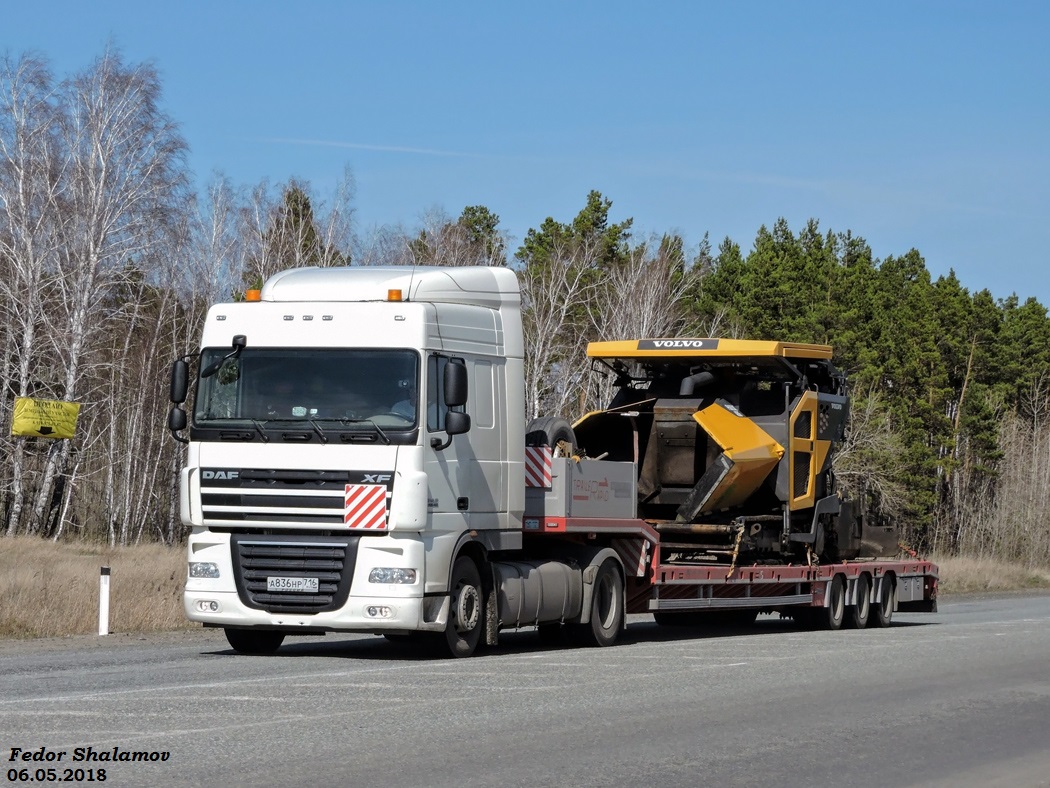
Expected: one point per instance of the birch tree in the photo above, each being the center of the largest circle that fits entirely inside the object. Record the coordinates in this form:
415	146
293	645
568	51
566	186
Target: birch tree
31	166
473	239
639	298
294	228
119	200
552	295
562	270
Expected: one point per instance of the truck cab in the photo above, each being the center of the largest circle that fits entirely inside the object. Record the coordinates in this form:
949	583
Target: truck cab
353	432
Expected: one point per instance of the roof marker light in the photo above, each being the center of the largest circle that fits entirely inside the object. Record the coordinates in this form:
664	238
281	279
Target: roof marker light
253	295
394	294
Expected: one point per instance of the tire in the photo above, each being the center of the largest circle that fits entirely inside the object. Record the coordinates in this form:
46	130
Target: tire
466	618
550	431
882	610
607	612
835	612
254	641
860	612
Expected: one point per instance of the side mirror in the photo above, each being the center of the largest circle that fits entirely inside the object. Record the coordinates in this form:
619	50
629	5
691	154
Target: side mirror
177	420
177	423
455	384
180	376
456	423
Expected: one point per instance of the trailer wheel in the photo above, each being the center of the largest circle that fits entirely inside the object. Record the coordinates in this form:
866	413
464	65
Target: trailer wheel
252	641
835	612
882	611
859	613
465	619
606	608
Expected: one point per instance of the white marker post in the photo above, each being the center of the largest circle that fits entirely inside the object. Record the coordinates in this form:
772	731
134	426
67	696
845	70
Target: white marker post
103	601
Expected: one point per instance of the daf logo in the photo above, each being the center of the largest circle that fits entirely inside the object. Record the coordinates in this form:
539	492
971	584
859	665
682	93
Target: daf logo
377	478
209	475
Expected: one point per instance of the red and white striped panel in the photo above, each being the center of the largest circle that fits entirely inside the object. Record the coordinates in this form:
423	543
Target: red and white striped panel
365	506
539	461
633	554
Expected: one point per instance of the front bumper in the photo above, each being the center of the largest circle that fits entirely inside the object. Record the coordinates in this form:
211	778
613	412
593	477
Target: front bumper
359	614
360	606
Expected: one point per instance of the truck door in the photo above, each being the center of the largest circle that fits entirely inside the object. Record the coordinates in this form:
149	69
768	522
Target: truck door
448	490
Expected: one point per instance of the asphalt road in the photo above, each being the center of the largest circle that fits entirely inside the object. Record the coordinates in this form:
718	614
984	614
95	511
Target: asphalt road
957	698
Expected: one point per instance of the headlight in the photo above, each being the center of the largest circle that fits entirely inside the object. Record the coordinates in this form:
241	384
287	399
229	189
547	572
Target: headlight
391	574
204	569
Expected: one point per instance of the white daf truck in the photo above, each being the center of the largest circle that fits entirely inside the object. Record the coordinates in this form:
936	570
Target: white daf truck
357	461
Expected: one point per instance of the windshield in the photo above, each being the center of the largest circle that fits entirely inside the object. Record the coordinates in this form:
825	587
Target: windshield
310	385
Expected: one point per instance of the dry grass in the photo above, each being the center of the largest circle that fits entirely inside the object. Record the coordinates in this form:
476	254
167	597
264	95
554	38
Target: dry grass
961	575
49	589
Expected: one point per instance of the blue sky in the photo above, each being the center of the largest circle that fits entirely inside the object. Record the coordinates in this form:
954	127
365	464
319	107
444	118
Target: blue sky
912	124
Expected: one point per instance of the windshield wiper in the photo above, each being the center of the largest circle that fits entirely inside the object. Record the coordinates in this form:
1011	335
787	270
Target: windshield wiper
375	426
318	430
259	428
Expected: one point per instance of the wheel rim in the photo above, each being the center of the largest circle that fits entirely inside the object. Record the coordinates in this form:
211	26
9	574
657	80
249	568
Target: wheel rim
467	607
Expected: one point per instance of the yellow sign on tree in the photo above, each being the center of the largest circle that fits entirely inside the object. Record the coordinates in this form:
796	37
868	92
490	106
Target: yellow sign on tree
44	418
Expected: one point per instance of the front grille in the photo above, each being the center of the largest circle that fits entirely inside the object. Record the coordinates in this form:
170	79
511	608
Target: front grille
305	498
328	559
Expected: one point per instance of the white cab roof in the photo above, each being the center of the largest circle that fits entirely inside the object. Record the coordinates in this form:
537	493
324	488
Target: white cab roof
493	287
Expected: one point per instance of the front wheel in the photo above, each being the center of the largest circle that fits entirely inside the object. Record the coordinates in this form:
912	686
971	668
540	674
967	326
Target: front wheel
607	610
465	619
253	641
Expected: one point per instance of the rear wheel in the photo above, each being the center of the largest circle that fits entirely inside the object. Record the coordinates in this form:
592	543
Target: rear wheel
606	607
835	612
252	641
882	610
465	619
858	613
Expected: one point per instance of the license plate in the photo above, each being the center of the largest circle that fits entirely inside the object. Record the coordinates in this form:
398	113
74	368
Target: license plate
304	585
